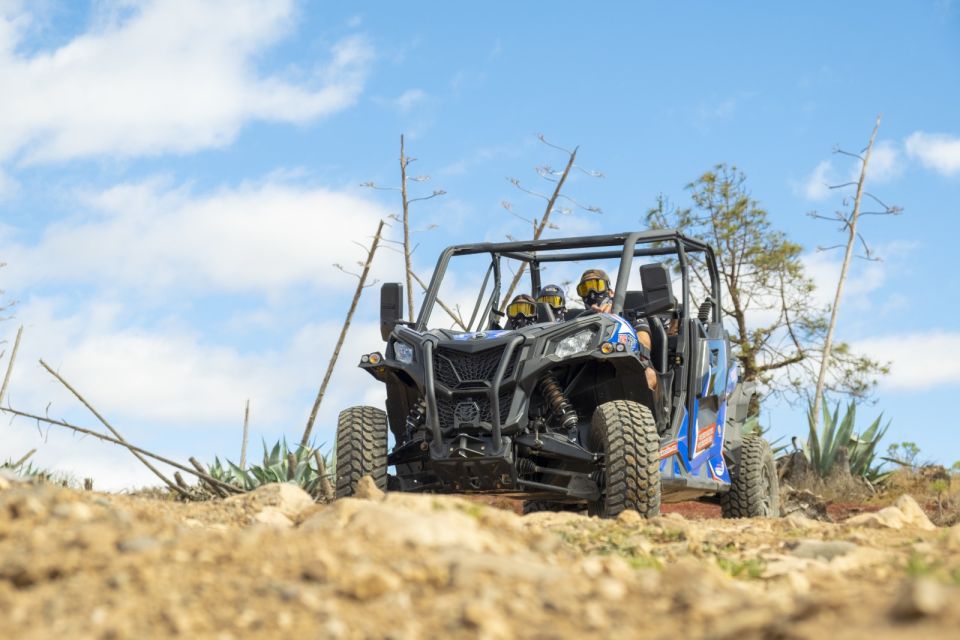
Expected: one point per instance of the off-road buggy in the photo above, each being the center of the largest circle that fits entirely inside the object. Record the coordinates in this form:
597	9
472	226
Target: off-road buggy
559	413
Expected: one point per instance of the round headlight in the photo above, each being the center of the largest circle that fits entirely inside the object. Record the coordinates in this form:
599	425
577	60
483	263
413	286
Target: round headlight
403	352
577	343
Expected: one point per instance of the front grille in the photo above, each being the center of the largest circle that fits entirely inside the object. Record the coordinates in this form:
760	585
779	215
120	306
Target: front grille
459	370
446	408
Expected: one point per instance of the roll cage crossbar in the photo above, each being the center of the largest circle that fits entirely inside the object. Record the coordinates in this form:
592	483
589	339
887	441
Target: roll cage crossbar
621	245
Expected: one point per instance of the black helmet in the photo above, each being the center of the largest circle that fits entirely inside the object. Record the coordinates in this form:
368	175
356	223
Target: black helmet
553	295
521	311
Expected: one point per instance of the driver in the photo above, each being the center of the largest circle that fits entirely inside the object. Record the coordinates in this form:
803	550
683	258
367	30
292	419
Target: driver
521	311
553	295
597	296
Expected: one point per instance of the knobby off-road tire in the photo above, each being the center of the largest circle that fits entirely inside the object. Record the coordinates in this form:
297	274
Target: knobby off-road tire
626	433
754	489
361	448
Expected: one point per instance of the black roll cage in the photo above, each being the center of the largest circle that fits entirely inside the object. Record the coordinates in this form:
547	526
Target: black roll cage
534	252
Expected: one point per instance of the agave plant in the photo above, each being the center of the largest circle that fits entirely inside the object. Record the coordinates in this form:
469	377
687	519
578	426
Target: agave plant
823	448
301	466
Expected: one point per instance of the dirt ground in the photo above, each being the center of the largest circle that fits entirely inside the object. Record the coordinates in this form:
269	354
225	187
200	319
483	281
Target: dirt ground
272	564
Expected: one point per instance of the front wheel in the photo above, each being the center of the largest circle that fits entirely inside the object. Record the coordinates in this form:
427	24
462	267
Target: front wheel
361	448
754	489
626	433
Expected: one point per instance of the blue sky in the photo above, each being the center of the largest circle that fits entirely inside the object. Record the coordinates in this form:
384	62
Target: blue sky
176	179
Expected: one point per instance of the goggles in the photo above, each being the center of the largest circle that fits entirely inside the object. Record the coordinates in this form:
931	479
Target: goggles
526	309
591	285
553	300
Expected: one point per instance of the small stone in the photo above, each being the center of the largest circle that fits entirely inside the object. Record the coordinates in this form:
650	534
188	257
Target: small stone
138	544
919	598
371	583
4	483
822	549
26	506
367	489
913	514
595	617
953	538
610	590
629	516
77	511
273	517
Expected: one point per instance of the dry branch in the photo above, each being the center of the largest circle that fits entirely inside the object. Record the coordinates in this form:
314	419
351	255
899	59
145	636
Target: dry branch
103	420
450	312
246	434
122	443
212	486
343	334
13	357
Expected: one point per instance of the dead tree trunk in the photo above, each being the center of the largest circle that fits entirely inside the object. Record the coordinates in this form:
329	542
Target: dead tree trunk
539	227
406	230
304	441
851	225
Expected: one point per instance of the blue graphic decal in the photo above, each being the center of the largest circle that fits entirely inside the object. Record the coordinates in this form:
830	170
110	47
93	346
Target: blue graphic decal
481	335
623	333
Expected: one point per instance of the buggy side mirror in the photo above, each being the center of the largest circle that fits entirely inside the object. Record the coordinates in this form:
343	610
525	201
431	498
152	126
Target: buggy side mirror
391	307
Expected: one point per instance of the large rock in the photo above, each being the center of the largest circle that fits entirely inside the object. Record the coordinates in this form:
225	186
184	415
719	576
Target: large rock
408	520
905	513
288	499
919	598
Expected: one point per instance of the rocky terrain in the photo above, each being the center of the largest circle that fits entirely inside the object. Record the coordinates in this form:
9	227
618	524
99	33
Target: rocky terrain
274	564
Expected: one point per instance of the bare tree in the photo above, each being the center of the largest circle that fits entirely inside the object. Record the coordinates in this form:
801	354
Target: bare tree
404	219
361	285
539	225
848	221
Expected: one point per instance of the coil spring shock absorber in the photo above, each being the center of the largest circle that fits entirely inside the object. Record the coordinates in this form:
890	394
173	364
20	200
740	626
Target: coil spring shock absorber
558	402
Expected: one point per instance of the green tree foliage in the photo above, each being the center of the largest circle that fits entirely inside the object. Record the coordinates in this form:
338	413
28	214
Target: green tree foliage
823	447
775	326
905	454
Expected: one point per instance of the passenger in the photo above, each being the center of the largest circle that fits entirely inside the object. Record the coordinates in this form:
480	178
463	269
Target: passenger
521	311
597	296
553	295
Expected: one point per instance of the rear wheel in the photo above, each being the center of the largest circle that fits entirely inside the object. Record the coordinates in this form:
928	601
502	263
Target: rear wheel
626	433
361	448
754	489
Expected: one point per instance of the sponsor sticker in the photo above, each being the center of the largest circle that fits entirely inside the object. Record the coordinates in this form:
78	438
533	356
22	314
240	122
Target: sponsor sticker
705	438
669	450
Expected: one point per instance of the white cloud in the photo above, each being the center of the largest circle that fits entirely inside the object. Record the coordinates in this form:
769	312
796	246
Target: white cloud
409	99
885	164
918	360
152	236
816	187
937	151
173	76
8	186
